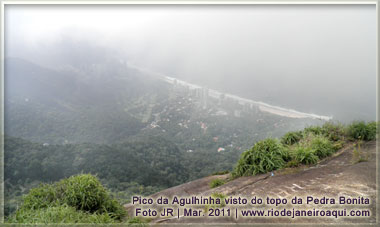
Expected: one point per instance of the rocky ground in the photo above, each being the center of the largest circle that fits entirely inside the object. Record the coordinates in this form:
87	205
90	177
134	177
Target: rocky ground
340	175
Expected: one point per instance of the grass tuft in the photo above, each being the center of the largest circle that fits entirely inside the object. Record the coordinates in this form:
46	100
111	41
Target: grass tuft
305	155
361	131
291	138
265	156
57	202
216	183
322	146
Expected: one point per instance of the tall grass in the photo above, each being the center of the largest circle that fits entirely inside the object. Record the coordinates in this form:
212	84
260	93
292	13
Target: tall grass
305	155
315	130
57	203
264	156
322	146
362	131
302	147
291	138
334	132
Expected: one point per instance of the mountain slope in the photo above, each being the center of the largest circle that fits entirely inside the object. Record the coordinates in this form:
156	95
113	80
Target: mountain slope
331	178
53	106
109	102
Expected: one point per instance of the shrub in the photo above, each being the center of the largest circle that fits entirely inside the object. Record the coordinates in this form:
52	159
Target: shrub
85	192
372	130
315	130
216	183
263	157
291	138
40	197
361	130
357	130
305	155
334	132
82	192
322	146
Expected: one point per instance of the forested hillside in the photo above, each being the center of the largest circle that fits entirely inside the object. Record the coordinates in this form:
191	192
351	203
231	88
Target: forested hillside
110	103
137	133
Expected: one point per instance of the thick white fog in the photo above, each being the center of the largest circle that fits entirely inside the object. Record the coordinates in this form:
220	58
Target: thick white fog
314	58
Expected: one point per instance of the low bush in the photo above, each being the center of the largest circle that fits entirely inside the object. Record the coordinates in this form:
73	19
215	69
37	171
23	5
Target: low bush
372	128
305	155
362	131
315	130
322	146
216	183
302	147
291	138
83	193
265	156
334	132
40	197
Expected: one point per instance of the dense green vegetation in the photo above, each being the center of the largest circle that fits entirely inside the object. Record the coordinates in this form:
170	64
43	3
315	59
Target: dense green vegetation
140	167
363	131
302	147
264	156
304	155
77	199
291	138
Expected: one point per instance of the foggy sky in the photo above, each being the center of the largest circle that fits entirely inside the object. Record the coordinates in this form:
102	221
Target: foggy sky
313	58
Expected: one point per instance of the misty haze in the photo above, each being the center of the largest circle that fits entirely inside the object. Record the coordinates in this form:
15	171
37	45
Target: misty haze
315	59
147	97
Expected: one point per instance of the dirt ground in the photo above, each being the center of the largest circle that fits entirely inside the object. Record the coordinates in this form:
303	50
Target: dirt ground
334	177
